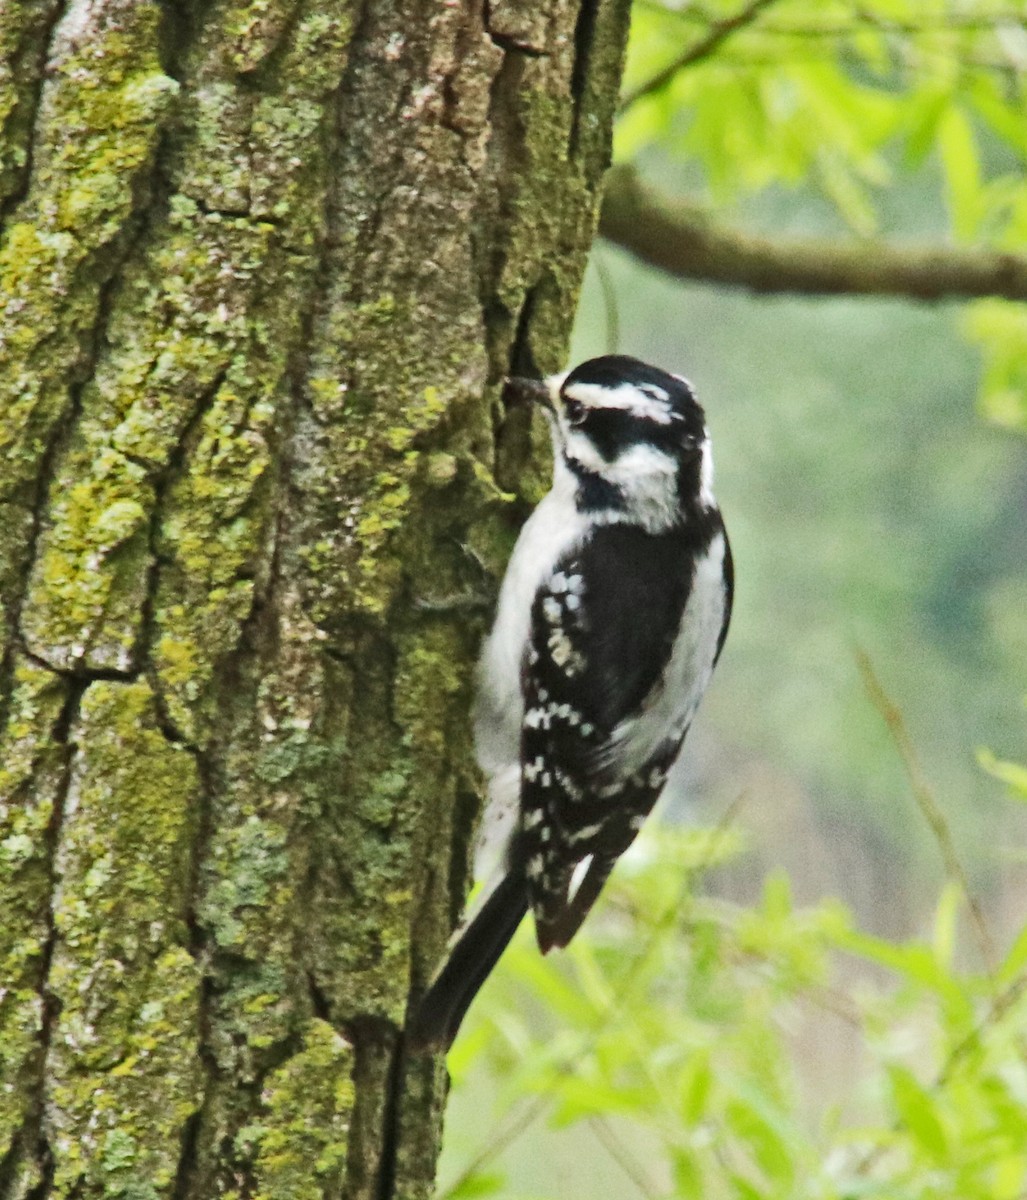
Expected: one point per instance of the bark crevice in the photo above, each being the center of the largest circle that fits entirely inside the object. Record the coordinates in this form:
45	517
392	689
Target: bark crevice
20	189
263	428
33	1141
584	36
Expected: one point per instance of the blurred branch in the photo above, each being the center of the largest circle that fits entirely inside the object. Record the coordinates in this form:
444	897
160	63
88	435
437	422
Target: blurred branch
976	22
498	1141
622	1156
716	34
891	714
678	237
610	309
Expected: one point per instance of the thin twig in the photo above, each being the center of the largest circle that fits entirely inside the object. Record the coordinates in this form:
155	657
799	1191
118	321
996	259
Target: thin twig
622	1156
893	719
1000	1005
716	35
611	311
506	1136
952	23
530	1112
1002	1001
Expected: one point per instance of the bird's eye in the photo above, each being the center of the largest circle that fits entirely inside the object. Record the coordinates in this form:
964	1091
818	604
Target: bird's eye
574	410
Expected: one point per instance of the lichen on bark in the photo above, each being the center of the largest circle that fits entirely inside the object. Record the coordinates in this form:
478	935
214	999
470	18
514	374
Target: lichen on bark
121	1072
263	268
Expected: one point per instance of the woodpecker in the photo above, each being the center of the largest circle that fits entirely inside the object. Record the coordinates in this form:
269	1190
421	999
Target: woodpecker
611	617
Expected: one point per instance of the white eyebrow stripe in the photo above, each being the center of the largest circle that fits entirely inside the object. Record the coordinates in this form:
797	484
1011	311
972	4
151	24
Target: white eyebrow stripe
639	400
654	390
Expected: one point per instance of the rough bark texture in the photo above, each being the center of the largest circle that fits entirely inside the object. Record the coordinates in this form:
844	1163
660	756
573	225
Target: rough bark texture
263	268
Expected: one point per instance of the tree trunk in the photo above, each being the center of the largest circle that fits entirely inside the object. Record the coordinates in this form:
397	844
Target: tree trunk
264	267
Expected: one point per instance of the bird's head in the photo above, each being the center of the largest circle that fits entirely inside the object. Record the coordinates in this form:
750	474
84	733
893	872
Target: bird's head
630	437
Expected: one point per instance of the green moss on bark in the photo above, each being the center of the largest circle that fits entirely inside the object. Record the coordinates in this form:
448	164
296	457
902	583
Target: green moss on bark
23	29
254	319
32	767
101	113
198	350
122	1071
298	1142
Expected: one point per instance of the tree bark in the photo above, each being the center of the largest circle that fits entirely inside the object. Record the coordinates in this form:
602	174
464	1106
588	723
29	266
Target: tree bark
264	267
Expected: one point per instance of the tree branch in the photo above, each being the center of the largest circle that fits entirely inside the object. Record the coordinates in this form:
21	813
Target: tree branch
977	22
715	36
678	237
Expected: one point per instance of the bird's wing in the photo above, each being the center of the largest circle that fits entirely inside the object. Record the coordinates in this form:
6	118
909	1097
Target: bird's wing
602	629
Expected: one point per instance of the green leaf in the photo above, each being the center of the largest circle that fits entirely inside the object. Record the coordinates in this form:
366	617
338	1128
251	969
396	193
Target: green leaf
1009	773
744	1189
922	117
946	915
688	1175
957	146
1000	330
696	1084
481	1183
1001	117
763	1130
1015	962
576	1098
917	1110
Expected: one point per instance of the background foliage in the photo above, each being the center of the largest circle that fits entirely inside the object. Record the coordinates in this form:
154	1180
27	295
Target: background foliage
810	981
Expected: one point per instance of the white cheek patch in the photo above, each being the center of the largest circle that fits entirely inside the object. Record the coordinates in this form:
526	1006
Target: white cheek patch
648	402
645	476
648	479
581	449
641	461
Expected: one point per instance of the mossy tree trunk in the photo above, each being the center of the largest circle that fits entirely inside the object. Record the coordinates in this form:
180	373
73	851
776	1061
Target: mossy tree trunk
263	269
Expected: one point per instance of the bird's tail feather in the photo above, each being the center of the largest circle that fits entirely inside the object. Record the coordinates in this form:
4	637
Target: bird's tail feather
472	955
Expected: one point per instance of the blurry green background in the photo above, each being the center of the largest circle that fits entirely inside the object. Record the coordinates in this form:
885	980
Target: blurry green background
869	507
873	508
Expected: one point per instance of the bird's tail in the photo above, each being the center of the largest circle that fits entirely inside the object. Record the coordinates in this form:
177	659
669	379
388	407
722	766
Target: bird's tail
473	952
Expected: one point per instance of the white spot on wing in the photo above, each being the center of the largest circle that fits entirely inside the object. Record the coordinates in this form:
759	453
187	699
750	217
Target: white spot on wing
585	832
578	876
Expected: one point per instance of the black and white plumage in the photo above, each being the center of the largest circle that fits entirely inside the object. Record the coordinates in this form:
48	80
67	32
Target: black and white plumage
611	617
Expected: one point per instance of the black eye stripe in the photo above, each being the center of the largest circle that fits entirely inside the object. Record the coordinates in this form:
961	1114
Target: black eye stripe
575	411
612	430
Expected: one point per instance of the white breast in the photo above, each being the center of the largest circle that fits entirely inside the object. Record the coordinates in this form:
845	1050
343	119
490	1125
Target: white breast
669	709
554	529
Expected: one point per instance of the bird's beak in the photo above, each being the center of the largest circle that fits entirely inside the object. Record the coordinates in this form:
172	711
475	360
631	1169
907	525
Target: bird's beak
528	391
